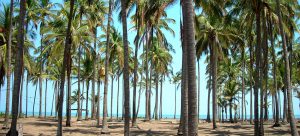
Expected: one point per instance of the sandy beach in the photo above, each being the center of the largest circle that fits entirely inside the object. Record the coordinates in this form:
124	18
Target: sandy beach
165	127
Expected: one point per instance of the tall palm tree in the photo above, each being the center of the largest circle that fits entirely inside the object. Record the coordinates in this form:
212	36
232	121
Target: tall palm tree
293	125
67	51
188	27
126	69
104	120
18	69
8	59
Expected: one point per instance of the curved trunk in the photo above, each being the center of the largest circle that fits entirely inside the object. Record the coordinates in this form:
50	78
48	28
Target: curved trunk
18	68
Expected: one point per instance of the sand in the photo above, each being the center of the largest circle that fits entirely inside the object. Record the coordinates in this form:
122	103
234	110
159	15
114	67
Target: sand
165	127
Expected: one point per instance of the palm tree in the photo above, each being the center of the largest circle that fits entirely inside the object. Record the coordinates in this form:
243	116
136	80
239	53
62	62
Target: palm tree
188	27
8	36
176	81
126	69
66	61
18	69
293	125
104	120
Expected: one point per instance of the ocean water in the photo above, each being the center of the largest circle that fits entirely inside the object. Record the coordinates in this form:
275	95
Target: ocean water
167	116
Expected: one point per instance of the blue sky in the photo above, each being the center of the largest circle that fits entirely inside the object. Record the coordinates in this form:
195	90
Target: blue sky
168	89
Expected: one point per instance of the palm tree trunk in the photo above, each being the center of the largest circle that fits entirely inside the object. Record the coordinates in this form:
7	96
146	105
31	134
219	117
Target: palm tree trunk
161	90
243	83
27	81
126	70
21	95
104	120
139	99
68	106
34	100
79	111
251	78
135	74
284	120
41	79
188	27
175	102
150	92
266	68
214	82
45	112
95	75
118	97
208	101
67	55
53	97
156	97
198	89
183	126
87	99
8	66
98	105
147	76
293	125
18	69
230	111
111	96
257	84
276	124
